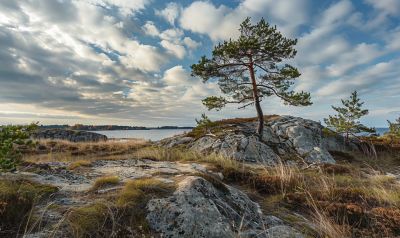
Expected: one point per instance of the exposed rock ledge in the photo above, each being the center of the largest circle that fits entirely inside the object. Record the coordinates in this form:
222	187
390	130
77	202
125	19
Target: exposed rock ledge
70	135
200	209
285	138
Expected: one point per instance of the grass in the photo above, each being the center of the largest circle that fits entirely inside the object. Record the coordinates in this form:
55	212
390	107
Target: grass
219	127
79	163
121	216
17	198
65	151
90	220
105	181
353	198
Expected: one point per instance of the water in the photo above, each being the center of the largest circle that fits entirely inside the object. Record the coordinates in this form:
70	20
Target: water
154	134
381	131
158	134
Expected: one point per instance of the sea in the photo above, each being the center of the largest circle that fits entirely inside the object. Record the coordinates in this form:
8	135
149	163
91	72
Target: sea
158	134
152	134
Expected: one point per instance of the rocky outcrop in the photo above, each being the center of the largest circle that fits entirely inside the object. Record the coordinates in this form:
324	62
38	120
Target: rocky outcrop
199	209
285	137
70	135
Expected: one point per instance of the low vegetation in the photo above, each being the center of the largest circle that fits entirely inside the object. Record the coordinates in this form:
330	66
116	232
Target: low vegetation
353	198
122	215
17	200
13	139
218	127
105	181
79	163
65	151
348	199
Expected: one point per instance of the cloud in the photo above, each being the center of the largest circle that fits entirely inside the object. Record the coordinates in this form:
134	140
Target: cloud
383	74
150	29
222	22
390	7
170	13
191	44
123	62
124	7
175	49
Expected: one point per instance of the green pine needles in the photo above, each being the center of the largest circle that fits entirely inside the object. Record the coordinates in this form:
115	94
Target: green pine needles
251	68
347	121
394	130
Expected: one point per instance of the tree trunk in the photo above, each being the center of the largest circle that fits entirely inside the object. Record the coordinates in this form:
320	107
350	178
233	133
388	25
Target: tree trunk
260	114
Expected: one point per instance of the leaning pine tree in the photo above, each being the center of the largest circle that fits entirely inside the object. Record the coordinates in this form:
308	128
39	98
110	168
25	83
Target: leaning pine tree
251	68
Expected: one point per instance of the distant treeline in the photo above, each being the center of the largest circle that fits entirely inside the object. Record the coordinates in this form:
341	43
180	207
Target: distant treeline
81	127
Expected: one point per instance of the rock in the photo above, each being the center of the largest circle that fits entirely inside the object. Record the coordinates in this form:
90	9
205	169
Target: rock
304	137
70	135
285	137
198	209
176	140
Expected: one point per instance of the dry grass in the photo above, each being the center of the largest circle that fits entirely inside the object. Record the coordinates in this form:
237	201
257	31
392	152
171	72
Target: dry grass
46	146
92	220
219	127
103	182
121	216
65	151
17	198
79	163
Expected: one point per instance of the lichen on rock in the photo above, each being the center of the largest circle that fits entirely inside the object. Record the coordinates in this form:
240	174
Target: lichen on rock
199	209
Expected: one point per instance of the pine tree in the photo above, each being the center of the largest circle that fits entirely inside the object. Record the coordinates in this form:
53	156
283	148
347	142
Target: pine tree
347	121
203	122
251	68
394	130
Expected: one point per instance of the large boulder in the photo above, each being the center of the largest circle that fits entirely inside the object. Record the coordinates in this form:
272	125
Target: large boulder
199	209
70	135
284	137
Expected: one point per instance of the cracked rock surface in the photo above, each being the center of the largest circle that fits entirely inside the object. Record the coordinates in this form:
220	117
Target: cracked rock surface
285	137
199	209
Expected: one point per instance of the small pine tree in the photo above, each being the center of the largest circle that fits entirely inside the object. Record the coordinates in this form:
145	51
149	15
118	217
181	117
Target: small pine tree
203	122
394	130
347	121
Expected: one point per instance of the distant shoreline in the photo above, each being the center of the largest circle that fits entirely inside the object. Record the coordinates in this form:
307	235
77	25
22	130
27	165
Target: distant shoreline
110	127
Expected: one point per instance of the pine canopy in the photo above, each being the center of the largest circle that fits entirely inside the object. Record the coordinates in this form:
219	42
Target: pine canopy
260	50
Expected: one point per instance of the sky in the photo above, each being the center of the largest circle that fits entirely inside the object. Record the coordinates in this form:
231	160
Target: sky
127	62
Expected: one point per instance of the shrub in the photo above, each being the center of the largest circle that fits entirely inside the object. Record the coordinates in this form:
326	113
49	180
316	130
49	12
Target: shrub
12	138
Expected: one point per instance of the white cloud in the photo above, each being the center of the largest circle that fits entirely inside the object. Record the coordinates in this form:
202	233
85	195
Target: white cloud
175	49
177	76
150	29
391	7
359	55
222	23
383	73
126	7
337	12
170	13
205	18
191	44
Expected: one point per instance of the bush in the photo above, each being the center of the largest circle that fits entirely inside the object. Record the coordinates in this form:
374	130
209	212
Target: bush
12	138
